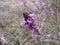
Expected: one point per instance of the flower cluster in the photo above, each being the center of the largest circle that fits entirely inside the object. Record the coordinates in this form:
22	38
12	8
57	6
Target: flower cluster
29	22
43	10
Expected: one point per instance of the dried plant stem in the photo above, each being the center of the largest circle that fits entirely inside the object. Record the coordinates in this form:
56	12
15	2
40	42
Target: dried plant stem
57	14
24	40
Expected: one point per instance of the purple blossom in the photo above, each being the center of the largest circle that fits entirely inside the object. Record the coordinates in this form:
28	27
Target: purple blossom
25	3
51	13
47	36
30	23
49	5
43	13
58	33
32	1
40	1
32	16
59	13
43	4
59	6
26	24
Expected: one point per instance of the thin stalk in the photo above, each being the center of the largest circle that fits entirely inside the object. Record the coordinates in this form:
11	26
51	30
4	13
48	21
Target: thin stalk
25	40
57	14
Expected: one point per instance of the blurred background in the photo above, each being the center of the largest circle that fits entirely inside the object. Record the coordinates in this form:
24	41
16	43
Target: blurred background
47	17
